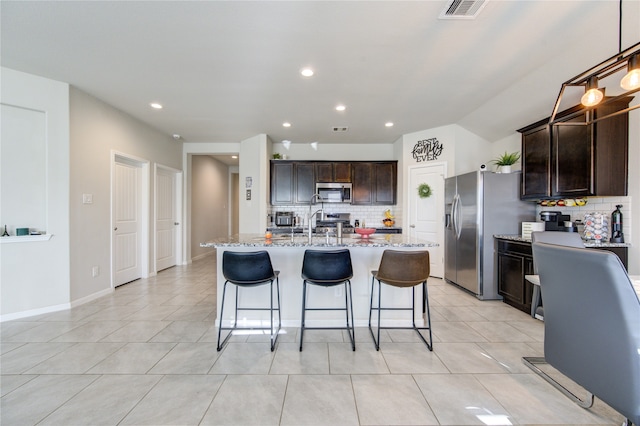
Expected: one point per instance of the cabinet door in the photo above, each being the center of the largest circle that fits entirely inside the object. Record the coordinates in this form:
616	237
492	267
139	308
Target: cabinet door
304	173
281	183
612	150
536	163
342	172
384	186
324	172
511	271
572	157
362	178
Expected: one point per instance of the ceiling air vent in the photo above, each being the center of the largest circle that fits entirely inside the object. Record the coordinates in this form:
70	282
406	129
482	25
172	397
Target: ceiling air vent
339	129
463	9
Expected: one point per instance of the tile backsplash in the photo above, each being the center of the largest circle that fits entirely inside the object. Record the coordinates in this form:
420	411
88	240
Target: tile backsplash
604	205
371	215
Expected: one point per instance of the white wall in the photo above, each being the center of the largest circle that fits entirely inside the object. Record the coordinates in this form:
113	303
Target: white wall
35	275
335	152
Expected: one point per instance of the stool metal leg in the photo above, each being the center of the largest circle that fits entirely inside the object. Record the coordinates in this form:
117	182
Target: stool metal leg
349	303
220	345
304	308
379	308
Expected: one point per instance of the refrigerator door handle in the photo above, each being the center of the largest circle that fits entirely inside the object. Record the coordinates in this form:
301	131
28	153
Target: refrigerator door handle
456	217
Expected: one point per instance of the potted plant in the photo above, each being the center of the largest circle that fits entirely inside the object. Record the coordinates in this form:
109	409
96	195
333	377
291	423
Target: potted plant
506	160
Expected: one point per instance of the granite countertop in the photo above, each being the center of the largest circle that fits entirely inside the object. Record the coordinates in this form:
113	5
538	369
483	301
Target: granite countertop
302	240
586	243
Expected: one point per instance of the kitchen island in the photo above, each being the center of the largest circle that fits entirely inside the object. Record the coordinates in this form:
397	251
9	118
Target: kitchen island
287	250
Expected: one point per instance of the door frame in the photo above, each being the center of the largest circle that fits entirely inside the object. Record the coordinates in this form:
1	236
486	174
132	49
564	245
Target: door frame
144	165
179	216
411	194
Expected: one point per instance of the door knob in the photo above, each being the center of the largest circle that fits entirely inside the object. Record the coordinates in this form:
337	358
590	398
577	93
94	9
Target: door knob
115	229
176	223
412	226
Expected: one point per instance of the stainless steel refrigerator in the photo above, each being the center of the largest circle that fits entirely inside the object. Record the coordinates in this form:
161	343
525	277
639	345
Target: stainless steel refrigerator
479	205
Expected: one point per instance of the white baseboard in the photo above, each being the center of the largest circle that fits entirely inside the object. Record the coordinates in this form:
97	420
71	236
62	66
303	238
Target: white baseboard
55	308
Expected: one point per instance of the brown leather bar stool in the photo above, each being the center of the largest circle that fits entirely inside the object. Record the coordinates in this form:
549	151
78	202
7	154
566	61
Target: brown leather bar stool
249	269
402	269
328	269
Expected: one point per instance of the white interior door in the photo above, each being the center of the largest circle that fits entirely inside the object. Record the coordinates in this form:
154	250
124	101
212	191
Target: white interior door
127	223
426	215
166	218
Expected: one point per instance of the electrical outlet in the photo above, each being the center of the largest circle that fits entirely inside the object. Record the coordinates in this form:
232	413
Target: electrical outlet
95	271
87	198
338	291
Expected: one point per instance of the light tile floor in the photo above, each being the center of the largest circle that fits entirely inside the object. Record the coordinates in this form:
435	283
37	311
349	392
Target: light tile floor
146	355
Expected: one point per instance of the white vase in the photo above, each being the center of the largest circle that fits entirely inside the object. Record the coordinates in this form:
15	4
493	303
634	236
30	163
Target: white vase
505	169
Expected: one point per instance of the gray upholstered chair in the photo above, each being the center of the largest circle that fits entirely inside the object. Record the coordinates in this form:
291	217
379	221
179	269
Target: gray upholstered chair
569	239
592	325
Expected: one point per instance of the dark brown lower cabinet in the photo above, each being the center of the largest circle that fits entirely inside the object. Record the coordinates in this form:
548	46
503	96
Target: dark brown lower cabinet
514	260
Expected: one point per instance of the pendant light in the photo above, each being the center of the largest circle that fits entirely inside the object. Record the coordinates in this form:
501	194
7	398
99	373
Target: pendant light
631	81
592	95
625	60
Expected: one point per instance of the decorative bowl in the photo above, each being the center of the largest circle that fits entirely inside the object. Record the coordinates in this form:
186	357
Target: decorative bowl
389	222
365	232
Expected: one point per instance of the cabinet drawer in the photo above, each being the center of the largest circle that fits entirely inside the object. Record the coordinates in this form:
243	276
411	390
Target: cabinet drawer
515	247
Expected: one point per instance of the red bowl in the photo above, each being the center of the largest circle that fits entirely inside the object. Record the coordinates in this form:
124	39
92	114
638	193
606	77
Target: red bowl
365	232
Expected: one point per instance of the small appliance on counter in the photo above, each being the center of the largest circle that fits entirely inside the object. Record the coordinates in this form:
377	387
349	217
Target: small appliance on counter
616	225
555	221
284	218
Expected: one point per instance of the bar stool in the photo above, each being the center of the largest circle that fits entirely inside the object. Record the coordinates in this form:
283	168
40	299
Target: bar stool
402	269
249	269
328	269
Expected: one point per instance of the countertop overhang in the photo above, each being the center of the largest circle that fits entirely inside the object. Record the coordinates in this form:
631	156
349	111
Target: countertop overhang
589	244
302	240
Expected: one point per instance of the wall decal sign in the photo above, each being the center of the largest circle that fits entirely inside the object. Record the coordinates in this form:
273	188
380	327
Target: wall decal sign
427	150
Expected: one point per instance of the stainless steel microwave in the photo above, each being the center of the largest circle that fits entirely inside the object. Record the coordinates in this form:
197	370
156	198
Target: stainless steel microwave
334	192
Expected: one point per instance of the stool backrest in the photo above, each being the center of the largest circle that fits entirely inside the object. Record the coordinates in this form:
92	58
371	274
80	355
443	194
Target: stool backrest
247	267
404	268
321	265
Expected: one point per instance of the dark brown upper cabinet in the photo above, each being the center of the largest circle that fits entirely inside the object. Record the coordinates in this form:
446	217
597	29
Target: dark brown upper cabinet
292	182
576	160
374	183
333	171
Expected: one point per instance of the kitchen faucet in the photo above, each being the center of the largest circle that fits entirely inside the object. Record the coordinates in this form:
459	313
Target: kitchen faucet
311	215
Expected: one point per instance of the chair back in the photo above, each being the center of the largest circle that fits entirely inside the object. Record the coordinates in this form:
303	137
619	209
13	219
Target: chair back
569	239
327	267
247	268
403	268
592	323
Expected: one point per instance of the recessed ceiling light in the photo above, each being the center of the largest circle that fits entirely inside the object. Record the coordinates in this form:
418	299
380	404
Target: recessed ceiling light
155	105
388	124
340	108
307	72
286	124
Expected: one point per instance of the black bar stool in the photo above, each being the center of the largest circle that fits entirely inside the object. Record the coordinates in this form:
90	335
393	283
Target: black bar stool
328	269
249	269
402	269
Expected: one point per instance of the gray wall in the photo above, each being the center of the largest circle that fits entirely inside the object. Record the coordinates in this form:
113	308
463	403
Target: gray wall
209	202
97	129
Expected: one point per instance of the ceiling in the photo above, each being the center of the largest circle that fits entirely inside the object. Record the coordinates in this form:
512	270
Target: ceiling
228	70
